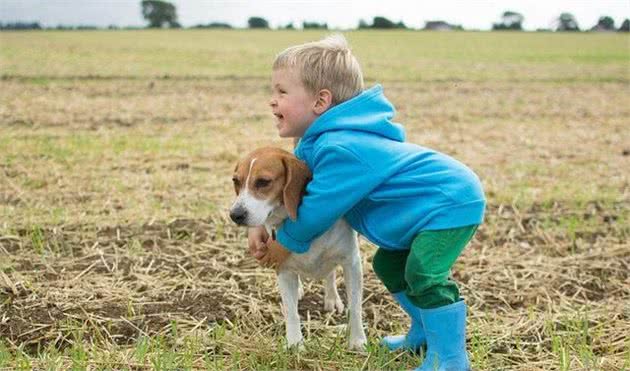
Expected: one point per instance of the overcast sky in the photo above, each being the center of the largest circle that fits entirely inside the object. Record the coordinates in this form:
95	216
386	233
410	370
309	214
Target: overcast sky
472	14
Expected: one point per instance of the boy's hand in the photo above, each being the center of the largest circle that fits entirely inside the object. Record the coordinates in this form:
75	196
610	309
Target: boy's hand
257	239
275	255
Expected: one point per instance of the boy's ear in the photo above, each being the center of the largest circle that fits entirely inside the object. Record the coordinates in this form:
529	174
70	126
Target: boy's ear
323	102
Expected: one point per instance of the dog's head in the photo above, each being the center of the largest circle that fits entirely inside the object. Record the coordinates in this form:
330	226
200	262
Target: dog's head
265	180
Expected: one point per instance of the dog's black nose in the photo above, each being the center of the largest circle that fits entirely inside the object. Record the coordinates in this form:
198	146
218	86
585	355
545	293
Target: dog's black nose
238	215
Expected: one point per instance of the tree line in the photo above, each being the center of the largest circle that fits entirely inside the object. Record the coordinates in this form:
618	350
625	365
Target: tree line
162	14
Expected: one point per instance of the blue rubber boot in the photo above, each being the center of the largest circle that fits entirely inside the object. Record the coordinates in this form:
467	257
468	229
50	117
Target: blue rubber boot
415	336
445	329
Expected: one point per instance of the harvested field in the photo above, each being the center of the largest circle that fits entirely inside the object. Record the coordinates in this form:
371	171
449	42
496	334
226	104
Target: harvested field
115	176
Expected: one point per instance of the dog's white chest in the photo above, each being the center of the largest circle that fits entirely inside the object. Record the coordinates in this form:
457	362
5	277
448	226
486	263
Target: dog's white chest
326	252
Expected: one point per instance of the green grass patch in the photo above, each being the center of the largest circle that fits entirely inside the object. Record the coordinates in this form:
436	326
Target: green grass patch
225	53
572	339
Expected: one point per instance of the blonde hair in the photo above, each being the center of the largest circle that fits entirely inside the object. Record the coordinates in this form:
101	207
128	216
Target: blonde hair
325	64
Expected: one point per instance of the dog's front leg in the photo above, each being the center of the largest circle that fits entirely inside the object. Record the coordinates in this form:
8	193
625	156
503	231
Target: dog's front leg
353	278
288	283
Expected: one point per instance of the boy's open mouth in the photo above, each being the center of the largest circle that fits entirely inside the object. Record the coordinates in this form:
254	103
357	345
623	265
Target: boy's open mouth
278	115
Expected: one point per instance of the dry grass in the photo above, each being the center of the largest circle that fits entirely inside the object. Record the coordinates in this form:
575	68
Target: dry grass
115	251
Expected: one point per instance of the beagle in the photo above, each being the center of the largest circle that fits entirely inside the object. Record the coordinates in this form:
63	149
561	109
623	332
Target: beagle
269	184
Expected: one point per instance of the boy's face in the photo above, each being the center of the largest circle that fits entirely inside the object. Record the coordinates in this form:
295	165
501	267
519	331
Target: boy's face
291	103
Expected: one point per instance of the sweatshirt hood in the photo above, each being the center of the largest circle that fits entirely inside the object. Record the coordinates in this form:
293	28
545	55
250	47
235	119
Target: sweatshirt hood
368	112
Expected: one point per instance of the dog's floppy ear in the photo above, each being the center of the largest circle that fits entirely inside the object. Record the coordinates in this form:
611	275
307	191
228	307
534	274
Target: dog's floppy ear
297	175
234	174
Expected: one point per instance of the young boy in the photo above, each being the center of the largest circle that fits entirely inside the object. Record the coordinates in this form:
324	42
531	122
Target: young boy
419	206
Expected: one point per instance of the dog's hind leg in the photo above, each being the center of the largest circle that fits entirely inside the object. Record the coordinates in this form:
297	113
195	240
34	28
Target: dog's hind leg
332	301
300	289
288	282
353	277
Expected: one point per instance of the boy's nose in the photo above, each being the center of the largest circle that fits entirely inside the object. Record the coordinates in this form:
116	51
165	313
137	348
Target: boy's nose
272	102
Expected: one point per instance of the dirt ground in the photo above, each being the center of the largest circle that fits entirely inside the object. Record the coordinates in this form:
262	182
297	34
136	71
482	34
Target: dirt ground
114	195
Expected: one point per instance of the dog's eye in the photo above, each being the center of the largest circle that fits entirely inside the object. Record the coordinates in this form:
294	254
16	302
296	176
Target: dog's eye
237	183
262	183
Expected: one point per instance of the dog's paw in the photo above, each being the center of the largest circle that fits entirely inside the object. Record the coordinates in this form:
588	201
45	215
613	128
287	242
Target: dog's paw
358	344
333	304
295	346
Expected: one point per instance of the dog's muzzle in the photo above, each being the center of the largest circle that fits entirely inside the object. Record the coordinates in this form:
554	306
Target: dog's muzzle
238	215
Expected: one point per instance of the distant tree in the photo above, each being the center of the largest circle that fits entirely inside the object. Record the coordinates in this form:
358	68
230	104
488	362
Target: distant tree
219	25
382	22
21	26
257	22
159	14
314	25
213	25
625	26
289	26
441	26
567	22
510	21
605	23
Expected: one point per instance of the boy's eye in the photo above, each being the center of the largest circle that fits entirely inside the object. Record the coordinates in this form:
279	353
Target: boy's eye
282	91
262	183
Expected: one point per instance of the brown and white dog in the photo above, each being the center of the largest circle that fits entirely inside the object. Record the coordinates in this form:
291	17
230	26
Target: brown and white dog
269	184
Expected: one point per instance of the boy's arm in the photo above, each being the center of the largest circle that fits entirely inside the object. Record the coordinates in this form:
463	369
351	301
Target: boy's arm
257	237
340	180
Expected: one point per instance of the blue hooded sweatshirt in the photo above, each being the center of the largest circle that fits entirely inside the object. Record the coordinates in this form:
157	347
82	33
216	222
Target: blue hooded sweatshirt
386	189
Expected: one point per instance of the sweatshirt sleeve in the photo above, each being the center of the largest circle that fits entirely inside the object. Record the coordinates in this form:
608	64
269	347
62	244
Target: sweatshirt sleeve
340	180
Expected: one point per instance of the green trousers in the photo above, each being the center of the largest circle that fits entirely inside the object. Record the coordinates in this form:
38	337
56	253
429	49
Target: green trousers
423	271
